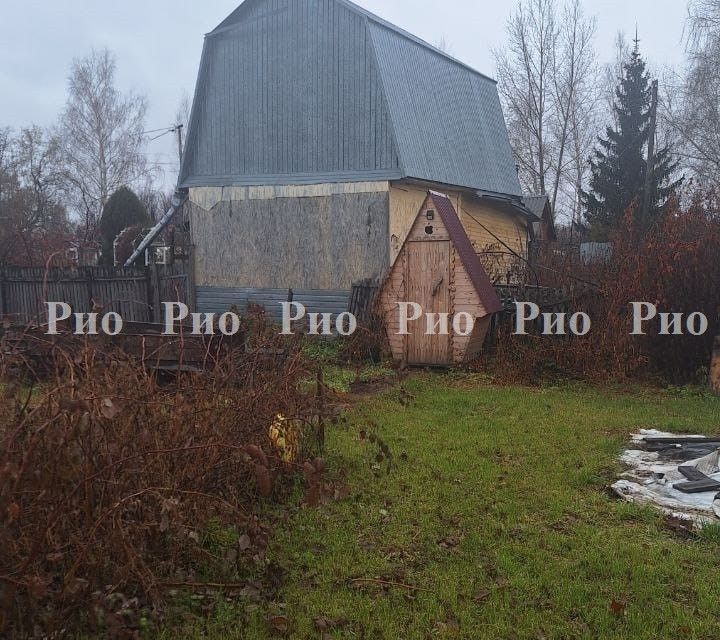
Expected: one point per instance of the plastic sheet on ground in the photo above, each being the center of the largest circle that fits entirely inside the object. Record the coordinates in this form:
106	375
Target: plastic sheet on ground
650	477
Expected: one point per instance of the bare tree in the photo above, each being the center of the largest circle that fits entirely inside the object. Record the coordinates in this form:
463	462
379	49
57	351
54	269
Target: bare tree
34	223
39	170
8	192
546	79
704	21
611	76
5	164
102	136
156	200
182	115
524	82
691	107
574	99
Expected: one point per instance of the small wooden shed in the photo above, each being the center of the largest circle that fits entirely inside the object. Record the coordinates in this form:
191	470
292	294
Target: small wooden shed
437	268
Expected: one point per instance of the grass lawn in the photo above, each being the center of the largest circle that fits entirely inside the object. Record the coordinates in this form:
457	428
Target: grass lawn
493	522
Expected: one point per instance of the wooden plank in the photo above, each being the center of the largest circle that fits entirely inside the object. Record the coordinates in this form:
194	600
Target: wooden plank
121	290
699	486
692	473
681	440
428	278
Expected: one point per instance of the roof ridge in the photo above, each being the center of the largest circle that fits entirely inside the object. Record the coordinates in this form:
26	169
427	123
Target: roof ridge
410	36
228	24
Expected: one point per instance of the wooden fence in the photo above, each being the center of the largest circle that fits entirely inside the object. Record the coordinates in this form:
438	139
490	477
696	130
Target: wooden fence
362	299
136	294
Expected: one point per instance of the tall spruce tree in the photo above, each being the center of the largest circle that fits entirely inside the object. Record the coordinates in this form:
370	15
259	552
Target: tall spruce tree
619	163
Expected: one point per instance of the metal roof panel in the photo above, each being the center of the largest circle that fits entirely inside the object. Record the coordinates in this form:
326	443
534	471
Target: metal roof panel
298	88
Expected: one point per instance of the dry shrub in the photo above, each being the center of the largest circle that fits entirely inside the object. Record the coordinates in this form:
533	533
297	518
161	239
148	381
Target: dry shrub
674	266
115	487
369	343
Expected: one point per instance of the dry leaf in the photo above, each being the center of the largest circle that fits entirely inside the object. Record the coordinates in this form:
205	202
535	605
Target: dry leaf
109	408
257	454
481	595
312	495
279	625
617	608
309	472
13	512
323	624
262	477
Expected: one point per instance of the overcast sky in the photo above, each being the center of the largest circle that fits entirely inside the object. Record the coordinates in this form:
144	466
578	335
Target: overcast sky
158	45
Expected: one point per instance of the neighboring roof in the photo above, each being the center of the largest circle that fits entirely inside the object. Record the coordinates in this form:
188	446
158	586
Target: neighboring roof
303	91
596	251
536	205
466	251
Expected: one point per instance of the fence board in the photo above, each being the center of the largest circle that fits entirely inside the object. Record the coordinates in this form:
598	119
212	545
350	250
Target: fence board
24	292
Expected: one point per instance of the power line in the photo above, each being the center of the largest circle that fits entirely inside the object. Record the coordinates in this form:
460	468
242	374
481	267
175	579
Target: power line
162	134
145	133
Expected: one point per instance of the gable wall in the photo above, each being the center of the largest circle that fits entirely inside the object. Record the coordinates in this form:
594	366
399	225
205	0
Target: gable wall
406	199
488	228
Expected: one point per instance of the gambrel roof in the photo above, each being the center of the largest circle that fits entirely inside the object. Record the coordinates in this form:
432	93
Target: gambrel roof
309	91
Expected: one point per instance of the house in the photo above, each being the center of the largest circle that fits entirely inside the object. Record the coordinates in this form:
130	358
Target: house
438	269
596	252
316	131
543	223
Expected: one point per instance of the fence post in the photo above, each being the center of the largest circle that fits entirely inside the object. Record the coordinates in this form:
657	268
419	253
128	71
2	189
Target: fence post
715	367
155	286
2	293
89	276
148	295
190	280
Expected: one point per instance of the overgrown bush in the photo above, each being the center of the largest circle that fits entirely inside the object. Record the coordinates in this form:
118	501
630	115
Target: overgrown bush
674	266
116	488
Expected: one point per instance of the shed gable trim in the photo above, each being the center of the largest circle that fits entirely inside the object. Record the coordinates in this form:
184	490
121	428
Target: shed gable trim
466	252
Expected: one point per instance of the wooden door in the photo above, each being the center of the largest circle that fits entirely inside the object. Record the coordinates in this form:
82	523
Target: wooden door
428	284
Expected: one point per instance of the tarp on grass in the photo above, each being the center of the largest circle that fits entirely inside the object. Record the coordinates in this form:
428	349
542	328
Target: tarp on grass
650	477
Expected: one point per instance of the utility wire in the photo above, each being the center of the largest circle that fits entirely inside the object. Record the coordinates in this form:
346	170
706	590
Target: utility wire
145	133
162	134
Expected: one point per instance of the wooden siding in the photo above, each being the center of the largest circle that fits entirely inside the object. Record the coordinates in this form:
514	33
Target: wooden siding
405	202
488	228
394	290
428	272
325	242
460	296
482	222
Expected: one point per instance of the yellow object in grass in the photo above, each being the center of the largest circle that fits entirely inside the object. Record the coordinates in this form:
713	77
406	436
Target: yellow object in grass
285	437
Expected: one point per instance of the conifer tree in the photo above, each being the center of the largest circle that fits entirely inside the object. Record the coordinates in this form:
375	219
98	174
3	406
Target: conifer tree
619	163
121	211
